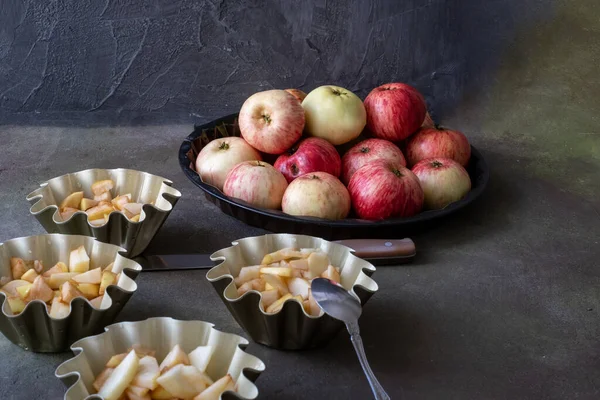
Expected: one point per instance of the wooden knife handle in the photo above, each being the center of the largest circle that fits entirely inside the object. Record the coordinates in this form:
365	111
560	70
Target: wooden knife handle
380	248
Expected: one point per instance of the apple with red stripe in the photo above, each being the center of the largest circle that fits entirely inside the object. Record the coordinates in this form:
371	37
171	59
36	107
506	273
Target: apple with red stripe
271	121
309	155
394	111
444	181
438	142
367	151
257	183
381	189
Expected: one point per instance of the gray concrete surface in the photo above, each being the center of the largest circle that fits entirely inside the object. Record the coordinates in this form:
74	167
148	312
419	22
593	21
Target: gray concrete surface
503	301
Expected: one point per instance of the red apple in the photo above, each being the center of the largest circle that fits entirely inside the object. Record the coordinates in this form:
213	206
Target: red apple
381	189
309	155
271	121
367	151
317	194
256	183
443	180
438	142
297	93
394	111
219	156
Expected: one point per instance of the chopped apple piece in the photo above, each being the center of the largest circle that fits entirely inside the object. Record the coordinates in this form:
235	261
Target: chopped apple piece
97	222
160	393
16	304
59	310
147	373
106	196
254	284
102	186
30	275
301	264
315	310
68	292
130	394
11	287
56	280
201	356
121	378
332	274
299	287
86	204
40	291
38	266
317	264
102	377
268	286
92	276
108	278
214	391
276	282
247	274
96	302
17	267
24	290
72	200
119	201
297	273
142	351
109	267
132	209
278	305
79	261
176	356
182	381
116	360
99	211
282	254
89	290
269	297
58	268
67	212
307	251
285	272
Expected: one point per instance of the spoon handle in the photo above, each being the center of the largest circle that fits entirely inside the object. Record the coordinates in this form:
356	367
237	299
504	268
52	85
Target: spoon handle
376	387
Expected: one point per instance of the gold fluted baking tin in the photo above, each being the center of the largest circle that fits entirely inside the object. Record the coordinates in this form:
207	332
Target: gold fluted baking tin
161	334
33	329
291	328
133	236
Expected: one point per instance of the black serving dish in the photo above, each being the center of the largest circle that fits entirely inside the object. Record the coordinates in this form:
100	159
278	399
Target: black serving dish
277	221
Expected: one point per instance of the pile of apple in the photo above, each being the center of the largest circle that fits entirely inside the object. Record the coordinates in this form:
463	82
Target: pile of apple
313	176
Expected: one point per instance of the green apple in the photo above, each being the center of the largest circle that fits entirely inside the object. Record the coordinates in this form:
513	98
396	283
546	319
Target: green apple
334	114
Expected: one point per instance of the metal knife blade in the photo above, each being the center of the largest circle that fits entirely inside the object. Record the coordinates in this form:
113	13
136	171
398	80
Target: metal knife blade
377	251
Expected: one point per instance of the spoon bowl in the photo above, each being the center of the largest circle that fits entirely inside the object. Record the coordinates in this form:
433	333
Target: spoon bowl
340	304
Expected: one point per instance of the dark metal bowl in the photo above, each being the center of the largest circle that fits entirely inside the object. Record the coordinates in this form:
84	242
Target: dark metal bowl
278	221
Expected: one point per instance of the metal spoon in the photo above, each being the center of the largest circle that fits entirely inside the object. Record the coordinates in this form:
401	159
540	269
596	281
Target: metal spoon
337	302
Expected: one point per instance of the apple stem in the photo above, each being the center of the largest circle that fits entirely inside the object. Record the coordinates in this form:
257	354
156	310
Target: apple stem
397	173
267	118
224	146
436	164
364	149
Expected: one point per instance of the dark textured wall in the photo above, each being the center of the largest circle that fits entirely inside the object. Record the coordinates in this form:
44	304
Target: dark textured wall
149	61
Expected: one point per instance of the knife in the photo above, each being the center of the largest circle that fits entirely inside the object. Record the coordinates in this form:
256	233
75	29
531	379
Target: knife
376	251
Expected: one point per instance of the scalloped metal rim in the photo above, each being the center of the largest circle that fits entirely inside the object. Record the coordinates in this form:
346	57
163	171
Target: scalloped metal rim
67	377
39	196
369	267
117	287
38	310
291	328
